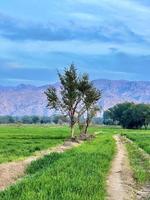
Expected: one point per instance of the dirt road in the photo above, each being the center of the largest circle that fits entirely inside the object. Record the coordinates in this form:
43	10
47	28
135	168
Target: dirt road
120	182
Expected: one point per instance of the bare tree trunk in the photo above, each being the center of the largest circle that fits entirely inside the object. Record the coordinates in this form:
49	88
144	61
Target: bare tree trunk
87	123
72	131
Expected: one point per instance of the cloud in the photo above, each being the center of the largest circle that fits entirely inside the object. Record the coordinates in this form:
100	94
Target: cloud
78	26
105	38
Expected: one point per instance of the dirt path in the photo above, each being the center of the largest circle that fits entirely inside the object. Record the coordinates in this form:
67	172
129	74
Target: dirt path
120	182
11	172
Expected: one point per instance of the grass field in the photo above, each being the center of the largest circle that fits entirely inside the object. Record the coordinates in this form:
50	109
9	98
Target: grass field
139	162
78	174
17	142
141	138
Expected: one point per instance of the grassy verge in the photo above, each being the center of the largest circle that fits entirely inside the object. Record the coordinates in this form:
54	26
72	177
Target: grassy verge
78	174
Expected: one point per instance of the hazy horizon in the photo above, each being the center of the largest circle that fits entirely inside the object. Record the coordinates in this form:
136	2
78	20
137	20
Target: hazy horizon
107	39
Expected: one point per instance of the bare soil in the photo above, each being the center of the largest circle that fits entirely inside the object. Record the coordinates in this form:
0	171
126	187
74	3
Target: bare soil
12	171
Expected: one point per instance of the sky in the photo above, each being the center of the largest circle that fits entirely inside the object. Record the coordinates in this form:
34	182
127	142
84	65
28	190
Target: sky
109	39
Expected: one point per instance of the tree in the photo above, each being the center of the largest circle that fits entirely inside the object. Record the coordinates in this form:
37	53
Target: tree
90	96
108	117
35	119
129	115
69	95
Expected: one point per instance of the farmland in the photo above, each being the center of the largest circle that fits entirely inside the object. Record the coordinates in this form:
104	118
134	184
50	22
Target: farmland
17	142
77	174
139	160
141	138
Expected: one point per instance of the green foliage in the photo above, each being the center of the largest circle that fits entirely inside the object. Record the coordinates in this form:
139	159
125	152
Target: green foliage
70	97
53	102
56	119
90	96
79	174
128	115
78	95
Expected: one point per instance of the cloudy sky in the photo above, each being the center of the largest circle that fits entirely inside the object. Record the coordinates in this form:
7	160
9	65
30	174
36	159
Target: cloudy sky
106	38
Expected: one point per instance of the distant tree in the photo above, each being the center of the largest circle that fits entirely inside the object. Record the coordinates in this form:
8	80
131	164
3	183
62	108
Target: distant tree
69	95
7	119
27	119
35	119
129	115
108	118
45	120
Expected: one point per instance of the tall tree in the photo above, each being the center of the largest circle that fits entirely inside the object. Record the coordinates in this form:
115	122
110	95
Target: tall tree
90	97
69	95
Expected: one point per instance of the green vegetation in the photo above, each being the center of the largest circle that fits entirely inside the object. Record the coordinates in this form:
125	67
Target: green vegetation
78	96
54	119
19	141
128	115
140	162
140	137
78	174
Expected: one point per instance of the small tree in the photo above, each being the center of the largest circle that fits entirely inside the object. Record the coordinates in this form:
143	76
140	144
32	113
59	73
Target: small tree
69	95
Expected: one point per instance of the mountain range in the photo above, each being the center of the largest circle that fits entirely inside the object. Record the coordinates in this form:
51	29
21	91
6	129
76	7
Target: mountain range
31	100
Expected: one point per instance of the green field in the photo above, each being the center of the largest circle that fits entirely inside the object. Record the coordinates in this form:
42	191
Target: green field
17	142
139	161
78	174
141	138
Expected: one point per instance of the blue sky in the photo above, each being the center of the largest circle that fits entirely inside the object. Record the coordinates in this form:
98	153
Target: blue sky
106	38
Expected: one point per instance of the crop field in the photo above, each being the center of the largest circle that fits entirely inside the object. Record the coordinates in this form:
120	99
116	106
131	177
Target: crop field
17	142
141	138
139	161
77	174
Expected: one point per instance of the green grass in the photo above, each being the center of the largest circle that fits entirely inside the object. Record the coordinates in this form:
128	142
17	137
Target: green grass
140	163
78	174
18	142
141	138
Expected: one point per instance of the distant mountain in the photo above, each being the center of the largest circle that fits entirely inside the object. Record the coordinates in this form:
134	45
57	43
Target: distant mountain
30	100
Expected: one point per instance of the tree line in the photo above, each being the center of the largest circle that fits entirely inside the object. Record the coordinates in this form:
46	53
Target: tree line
54	119
128	115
